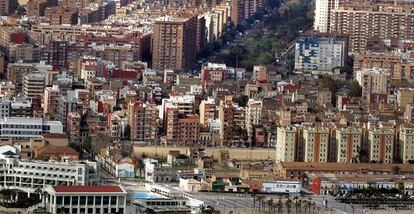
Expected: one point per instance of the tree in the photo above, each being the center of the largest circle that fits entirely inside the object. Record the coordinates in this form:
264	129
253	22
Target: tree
270	204
288	205
279	205
355	90
396	170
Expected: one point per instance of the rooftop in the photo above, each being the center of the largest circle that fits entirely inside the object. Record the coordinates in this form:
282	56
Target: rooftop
112	189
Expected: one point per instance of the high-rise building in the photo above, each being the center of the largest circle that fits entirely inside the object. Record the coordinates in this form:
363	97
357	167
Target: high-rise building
316	141
181	129
349	144
253	116
381	144
286	145
323	9
143	121
51	102
243	9
319	53
406	144
174	43
373	19
207	111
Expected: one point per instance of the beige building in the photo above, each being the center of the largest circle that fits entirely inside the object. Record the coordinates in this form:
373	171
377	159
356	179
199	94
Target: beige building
5	7
253	116
143	120
348	144
375	80
406	144
51	101
287	138
207	111
7	88
405	96
381	144
316	141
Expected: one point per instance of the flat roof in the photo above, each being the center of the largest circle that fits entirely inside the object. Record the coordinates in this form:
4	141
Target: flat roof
79	189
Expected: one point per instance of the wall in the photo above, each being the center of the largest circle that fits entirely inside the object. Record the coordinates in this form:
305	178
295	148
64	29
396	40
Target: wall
235	153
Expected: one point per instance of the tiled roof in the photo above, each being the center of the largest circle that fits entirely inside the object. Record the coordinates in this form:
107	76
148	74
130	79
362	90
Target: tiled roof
88	189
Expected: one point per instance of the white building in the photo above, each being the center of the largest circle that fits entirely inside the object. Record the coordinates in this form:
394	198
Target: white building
22	128
253	116
30	175
320	54
323	9
374	80
291	187
286	144
33	85
86	199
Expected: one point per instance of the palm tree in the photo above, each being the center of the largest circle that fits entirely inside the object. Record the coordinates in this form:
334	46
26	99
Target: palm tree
260	200
288	205
279	205
313	205
307	205
254	200
270	204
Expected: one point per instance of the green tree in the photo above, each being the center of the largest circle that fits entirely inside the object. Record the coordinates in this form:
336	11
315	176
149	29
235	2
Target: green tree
396	170
355	90
288	205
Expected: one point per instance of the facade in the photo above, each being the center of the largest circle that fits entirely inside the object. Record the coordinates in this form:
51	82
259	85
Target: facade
406	144
173	43
5	7
317	53
244	9
287	138
363	22
51	102
349	143
22	128
323	9
33	85
316	141
86	199
381	144
30	175
375	80
253	116
287	186
143	120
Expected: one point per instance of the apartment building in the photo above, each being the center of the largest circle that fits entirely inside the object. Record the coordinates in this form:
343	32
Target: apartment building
286	145
143	120
51	102
5	7
316	144
348	144
320	53
244	9
174	43
373	81
405	96
181	129
7	89
207	111
381	144
363	22
406	144
29	175
323	9
253	116
33	85
86	199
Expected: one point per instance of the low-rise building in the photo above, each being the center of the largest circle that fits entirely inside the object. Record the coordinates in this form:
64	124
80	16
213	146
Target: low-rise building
86	199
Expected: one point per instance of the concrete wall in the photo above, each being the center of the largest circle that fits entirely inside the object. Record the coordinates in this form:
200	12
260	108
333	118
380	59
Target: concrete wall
235	153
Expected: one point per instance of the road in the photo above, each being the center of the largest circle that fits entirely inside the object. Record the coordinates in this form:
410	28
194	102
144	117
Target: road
332	203
225	200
